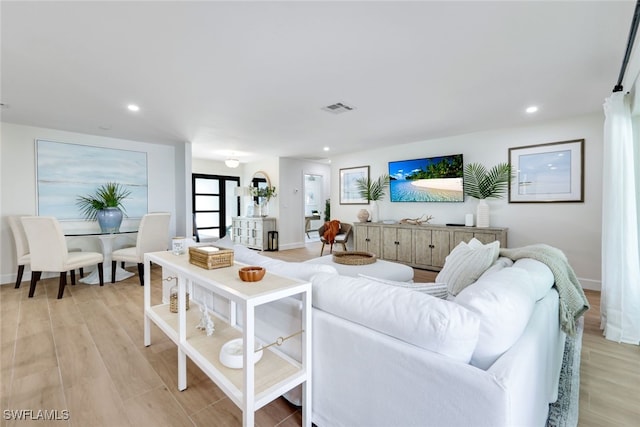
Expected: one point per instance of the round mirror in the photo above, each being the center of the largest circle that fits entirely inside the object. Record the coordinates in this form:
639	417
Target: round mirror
259	179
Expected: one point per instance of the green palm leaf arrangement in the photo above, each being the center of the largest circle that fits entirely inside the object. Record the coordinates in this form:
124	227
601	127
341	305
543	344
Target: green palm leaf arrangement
109	195
481	183
372	190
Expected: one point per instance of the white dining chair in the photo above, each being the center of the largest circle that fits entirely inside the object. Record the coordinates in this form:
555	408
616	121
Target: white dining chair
48	252
22	246
153	236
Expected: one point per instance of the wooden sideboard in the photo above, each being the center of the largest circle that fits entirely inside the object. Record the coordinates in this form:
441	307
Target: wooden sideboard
420	246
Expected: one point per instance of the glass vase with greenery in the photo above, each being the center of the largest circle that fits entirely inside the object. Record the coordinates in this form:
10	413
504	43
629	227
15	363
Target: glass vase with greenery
263	192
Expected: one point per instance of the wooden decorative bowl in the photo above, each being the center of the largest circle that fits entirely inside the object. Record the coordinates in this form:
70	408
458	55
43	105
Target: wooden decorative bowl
251	273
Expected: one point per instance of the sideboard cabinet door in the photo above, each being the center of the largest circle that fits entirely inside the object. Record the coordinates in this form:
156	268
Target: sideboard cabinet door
368	238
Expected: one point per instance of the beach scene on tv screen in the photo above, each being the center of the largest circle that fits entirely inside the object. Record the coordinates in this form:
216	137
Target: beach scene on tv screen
434	179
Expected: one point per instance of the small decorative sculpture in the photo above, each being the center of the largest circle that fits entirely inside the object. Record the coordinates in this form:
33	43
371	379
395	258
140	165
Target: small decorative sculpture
206	324
417	221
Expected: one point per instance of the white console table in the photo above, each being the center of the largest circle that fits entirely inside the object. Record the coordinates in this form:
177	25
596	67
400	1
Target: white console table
257	384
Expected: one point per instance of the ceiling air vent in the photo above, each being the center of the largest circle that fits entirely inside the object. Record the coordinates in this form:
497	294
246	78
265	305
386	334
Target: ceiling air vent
337	108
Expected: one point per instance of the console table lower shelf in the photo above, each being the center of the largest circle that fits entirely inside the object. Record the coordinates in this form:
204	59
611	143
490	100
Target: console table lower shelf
250	389
205	351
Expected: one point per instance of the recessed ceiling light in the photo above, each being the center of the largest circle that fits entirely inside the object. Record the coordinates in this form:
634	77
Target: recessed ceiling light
531	109
326	148
133	107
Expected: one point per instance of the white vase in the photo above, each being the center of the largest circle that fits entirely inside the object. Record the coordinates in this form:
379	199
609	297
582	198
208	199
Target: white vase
363	215
482	214
375	217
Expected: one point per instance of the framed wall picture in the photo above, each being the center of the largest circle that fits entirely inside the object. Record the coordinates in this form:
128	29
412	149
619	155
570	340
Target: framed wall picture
547	173
349	194
65	171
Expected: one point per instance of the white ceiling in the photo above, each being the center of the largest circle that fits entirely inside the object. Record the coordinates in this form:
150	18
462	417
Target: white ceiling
250	78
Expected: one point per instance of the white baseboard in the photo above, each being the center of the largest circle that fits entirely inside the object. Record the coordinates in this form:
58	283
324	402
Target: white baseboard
295	245
590	284
10	279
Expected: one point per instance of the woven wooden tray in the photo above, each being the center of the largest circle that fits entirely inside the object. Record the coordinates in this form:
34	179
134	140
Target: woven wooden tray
210	258
354	258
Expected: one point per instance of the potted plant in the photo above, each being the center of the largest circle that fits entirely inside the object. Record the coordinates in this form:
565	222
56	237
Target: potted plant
264	194
373	190
482	184
105	205
327	210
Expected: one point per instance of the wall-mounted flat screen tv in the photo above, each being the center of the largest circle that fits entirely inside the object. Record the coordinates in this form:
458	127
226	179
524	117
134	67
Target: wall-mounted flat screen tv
433	179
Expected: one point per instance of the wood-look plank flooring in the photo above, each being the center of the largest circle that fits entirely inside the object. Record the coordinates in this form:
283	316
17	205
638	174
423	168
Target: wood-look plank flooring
84	354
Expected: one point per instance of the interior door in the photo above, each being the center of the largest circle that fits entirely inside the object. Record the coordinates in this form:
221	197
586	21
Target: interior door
214	204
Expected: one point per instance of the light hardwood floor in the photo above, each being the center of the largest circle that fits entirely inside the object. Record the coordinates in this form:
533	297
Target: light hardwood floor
85	354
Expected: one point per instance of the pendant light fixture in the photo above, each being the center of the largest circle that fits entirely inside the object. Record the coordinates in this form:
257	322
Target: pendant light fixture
232	163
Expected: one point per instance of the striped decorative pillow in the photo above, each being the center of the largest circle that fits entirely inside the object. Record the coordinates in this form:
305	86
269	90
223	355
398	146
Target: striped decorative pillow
466	263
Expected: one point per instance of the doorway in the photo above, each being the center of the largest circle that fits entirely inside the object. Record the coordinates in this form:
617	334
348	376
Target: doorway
313	191
214	203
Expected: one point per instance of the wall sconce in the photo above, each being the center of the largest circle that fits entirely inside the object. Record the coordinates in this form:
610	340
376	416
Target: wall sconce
232	163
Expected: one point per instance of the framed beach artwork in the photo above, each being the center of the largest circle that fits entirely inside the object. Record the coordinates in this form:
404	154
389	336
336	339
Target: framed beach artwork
65	171
547	173
349	194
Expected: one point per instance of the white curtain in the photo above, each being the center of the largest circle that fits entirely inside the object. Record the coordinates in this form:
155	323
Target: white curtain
620	298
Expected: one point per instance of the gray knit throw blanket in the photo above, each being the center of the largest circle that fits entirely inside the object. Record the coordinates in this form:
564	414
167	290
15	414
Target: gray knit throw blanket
573	302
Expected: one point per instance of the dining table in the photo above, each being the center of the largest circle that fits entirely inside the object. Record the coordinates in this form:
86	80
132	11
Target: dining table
106	243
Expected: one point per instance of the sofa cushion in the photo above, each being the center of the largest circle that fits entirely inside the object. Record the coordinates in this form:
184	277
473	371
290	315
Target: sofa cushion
296	270
466	263
421	320
438	290
504	302
498	265
541	276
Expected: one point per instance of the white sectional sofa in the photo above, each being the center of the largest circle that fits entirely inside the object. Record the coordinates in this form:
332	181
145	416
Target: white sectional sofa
386	355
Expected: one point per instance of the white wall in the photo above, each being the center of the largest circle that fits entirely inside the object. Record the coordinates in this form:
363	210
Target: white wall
575	228
291	221
214	167
166	176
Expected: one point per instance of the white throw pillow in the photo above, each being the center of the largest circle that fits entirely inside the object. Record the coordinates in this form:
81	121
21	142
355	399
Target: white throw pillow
438	290
466	263
504	301
418	319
